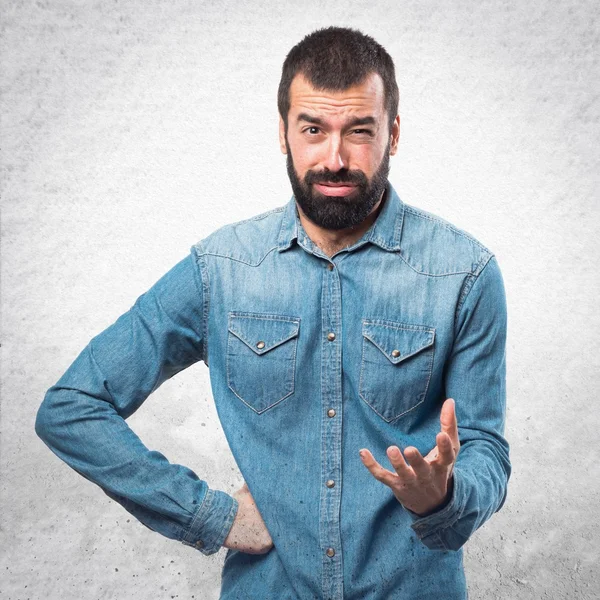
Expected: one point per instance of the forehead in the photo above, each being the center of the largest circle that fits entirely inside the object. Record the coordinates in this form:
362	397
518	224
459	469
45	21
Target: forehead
364	98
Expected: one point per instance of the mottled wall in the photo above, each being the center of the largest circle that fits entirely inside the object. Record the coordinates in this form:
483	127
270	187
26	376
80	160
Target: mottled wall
130	130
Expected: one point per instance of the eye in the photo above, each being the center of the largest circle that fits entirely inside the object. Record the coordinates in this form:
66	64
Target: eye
312	130
362	131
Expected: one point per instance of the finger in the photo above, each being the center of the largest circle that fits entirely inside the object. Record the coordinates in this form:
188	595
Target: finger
419	465
432	454
446	453
376	469
402	469
449	423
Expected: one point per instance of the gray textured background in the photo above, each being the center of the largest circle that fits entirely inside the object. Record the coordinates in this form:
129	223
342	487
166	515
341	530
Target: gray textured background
130	130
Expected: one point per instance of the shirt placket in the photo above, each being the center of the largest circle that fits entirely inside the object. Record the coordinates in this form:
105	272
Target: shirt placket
331	433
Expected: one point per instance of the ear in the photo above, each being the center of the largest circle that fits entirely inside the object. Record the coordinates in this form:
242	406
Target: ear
395	135
282	145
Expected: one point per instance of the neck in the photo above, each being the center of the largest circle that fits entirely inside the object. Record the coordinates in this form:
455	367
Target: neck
331	241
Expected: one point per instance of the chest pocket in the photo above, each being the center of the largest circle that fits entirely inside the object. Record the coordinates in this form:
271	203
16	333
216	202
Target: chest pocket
261	358
397	361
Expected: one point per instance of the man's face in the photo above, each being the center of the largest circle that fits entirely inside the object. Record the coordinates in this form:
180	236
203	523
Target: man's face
338	148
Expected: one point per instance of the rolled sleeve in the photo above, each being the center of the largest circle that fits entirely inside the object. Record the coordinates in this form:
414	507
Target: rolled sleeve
429	528
212	522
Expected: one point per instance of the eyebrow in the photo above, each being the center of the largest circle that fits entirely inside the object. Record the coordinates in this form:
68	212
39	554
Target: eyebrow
317	121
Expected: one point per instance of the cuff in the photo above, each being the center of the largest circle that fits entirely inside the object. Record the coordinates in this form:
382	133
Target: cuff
430	527
212	522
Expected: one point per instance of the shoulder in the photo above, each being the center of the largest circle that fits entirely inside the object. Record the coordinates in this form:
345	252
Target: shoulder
433	246
247	241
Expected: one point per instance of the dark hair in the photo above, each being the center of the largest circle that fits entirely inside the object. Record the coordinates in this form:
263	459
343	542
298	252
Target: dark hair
336	58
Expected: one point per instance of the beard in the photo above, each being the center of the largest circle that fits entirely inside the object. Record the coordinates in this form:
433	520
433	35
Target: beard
338	212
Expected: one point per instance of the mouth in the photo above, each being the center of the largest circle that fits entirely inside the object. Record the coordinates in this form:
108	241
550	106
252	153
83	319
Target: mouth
335	189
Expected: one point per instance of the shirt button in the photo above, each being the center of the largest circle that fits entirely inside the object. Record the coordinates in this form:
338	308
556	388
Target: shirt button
199	544
331	336
330	483
330	267
331	412
330	552
395	353
260	345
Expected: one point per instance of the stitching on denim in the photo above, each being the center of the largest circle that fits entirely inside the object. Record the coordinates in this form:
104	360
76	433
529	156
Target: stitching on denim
288	229
446	225
335	505
402	357
216	254
362	369
431	360
432	539
396	325
293	366
441	544
323	505
260	412
265	316
371	406
399	224
431	274
384	244
339	258
262	216
464	292
227	523
383	241
469	284
265	350
188	534
227	368
205	279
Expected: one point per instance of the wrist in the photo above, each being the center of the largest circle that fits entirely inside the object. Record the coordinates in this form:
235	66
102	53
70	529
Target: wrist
442	503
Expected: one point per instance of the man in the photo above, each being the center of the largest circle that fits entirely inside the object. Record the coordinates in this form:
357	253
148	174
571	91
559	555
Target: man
356	348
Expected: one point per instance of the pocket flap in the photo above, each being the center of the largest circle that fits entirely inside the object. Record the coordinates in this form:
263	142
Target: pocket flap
398	341
262	332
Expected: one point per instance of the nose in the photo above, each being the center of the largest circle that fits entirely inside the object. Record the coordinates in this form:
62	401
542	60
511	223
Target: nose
335	155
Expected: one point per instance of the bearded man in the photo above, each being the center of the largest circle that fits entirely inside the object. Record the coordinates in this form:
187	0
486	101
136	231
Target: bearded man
356	348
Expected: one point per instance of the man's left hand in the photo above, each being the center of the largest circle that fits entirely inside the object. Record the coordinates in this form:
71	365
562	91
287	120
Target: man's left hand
421	484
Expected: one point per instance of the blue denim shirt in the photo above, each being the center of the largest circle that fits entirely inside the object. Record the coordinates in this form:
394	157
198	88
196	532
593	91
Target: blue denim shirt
311	358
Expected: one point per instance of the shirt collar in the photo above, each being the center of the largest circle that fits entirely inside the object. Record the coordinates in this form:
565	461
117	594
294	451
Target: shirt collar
385	232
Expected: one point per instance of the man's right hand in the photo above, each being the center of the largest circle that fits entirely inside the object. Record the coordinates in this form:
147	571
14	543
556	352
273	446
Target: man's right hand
248	533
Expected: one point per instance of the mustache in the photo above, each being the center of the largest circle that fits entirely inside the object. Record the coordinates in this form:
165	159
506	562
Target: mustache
341	176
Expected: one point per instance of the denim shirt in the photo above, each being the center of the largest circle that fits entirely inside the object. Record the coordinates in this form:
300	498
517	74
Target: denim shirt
311	358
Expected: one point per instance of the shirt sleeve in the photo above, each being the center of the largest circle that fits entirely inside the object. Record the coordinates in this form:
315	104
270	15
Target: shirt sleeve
82	417
475	376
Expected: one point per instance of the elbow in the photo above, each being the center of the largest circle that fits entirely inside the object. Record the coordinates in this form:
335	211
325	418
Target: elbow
43	422
47	418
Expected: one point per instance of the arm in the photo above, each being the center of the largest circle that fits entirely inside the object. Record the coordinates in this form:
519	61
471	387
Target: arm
476	378
82	417
464	477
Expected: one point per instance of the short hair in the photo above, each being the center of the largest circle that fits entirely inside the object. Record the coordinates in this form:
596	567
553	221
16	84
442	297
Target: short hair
336	58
